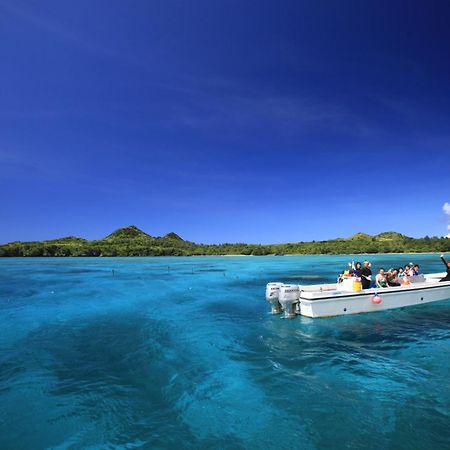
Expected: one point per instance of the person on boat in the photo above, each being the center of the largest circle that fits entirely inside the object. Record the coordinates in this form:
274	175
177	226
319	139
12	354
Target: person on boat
407	271
380	279
447	266
392	278
357	271
416	269
366	275
400	273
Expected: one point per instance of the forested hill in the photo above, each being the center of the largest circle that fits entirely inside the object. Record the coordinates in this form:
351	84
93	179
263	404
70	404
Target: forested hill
131	241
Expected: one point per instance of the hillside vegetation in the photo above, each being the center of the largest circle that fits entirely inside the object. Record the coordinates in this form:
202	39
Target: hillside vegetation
131	241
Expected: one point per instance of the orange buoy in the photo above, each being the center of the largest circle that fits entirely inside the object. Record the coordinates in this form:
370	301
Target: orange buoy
376	299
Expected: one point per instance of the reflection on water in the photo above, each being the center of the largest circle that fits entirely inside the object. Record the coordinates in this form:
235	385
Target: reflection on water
182	353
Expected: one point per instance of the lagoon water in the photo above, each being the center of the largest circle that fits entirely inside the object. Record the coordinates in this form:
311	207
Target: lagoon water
177	353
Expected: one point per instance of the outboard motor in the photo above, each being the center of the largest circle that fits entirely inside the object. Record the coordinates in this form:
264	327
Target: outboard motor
288	297
272	294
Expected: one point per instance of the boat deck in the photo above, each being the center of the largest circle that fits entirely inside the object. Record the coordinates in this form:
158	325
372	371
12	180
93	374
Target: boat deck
329	291
328	300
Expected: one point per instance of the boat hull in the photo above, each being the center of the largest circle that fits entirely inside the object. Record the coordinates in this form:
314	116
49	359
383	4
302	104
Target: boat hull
356	303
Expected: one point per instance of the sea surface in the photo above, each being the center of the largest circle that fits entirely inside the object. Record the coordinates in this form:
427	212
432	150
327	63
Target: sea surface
182	353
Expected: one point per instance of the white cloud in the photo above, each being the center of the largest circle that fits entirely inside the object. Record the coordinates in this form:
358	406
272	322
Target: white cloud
446	208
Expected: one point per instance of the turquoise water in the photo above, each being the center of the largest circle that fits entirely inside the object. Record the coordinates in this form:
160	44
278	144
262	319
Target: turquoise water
182	353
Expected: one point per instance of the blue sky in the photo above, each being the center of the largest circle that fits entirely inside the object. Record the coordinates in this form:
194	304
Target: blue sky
224	120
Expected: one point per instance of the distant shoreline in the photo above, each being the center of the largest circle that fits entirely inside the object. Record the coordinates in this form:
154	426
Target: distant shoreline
222	256
131	241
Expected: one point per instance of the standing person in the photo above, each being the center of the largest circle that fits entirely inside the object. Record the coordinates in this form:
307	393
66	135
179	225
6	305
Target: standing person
366	275
447	266
357	270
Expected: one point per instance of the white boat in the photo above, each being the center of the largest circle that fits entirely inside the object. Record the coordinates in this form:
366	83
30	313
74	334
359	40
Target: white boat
327	300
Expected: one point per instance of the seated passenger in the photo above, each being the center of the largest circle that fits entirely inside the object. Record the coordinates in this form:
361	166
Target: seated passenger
380	279
407	271
400	272
392	278
416	269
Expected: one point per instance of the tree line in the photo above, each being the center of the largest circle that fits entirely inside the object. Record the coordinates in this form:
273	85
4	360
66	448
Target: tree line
168	246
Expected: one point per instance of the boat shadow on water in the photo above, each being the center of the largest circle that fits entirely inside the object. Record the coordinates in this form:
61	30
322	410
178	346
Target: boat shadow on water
391	329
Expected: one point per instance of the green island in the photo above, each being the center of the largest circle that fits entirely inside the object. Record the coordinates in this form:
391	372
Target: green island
131	241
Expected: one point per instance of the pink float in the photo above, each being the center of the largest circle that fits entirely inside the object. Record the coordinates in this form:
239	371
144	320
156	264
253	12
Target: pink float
376	299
